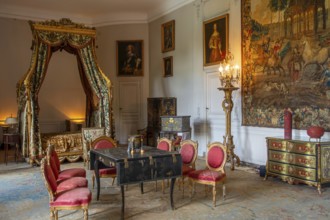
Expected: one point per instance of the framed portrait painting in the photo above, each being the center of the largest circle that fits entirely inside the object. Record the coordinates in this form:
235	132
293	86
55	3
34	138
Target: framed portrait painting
215	33
130	58
168	66
285	63
168	36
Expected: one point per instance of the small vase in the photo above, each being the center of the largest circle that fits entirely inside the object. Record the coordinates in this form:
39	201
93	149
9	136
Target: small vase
287	123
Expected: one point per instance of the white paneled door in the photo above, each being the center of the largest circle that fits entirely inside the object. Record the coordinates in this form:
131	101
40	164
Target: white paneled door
129	109
214	113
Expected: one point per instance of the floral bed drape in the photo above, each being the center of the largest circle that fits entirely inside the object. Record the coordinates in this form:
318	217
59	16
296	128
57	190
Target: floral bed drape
49	37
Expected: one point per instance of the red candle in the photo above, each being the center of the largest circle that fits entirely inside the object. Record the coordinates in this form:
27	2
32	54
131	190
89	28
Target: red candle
287	123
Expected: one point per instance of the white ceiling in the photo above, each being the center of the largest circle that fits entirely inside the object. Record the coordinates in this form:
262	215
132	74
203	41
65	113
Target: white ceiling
90	12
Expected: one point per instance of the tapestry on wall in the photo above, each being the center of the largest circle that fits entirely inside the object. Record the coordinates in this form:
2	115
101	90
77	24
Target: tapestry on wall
285	62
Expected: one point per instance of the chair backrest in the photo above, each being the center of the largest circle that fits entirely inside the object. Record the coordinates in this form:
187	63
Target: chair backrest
216	156
188	151
53	161
164	144
49	178
103	142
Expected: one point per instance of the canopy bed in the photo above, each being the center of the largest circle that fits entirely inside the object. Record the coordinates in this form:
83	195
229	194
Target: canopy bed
77	39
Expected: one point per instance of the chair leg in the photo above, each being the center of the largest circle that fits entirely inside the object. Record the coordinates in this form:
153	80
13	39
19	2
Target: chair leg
93	180
224	191
214	194
163	186
86	214
56	214
52	214
182	179
192	188
113	180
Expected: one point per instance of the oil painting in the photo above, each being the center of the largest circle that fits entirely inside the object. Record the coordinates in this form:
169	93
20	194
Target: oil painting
168	66
285	62
215	39
130	58
168	36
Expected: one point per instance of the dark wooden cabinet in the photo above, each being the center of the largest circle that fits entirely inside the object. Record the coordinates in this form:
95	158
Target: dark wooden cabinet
158	107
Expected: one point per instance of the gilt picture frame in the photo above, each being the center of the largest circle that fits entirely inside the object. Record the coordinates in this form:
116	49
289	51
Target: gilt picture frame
285	63
168	36
168	66
215	37
129	56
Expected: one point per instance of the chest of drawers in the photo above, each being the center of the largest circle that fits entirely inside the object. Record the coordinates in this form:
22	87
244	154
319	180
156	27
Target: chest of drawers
299	160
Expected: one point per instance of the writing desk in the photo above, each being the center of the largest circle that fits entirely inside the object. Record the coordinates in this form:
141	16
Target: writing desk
151	165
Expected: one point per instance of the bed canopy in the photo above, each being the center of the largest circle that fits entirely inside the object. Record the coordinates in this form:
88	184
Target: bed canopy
77	39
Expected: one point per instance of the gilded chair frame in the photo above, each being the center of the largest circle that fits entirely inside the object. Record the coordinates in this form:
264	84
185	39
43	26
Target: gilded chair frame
192	163
219	169
114	143
54	209
170	148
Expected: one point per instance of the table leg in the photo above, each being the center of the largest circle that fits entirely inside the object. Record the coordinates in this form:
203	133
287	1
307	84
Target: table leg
141	186
97	177
171	192
6	152
122	201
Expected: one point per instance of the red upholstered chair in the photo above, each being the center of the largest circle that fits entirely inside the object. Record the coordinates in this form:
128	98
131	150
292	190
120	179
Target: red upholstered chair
164	144
56	166
188	151
71	199
104	142
215	171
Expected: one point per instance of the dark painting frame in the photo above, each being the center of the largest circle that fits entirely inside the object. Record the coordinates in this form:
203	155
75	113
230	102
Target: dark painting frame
216	41
283	64
168	36
168	66
129	54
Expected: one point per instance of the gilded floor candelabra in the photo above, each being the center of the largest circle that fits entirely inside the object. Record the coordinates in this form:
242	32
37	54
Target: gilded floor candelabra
228	75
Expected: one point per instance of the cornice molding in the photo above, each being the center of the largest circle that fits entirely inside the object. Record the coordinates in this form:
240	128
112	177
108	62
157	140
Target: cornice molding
24	13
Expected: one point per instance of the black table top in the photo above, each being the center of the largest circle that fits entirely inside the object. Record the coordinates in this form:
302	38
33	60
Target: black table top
119	154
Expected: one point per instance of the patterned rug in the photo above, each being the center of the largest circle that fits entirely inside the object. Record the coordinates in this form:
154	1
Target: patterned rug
23	196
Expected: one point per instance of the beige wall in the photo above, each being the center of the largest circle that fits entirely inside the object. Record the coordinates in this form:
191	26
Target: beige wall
106	41
15	54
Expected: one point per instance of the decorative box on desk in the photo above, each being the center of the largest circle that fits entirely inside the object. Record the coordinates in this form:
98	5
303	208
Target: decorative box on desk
299	160
175	123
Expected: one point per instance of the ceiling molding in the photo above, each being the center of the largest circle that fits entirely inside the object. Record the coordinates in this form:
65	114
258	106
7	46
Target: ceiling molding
120	18
167	7
41	15
25	13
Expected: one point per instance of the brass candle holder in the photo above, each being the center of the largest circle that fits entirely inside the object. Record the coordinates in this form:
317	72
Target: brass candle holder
229	74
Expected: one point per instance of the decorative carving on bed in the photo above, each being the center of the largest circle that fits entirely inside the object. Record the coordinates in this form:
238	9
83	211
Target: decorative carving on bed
68	145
